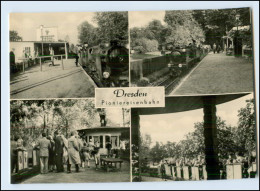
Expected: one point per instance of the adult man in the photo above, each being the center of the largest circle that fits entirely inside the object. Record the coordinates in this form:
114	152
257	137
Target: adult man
44	145
76	59
59	144
80	143
108	147
73	152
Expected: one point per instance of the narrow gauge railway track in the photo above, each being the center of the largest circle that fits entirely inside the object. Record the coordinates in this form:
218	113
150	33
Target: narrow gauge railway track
168	82
93	75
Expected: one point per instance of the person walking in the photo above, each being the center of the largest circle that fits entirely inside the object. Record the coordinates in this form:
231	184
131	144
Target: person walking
73	152
214	48
59	145
44	145
76	59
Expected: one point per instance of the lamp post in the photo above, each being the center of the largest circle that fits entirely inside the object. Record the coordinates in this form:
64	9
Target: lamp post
41	27
237	20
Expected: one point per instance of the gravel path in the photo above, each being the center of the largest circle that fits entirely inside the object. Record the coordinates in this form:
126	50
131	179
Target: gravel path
218	74
85	175
52	82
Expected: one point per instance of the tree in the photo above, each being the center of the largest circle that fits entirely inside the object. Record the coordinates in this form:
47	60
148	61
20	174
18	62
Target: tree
215	22
112	26
183	28
245	135
87	33
13	36
156	28
143	45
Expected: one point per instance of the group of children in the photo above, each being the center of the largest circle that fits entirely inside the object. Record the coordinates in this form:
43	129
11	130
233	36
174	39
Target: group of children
90	150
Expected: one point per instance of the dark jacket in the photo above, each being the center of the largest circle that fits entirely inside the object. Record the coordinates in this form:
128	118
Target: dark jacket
59	144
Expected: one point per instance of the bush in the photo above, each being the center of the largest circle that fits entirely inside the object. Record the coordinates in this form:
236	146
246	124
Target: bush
139	49
143	45
143	82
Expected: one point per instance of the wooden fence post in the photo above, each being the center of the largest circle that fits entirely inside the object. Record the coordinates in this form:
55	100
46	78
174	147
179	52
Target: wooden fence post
62	63
41	63
23	66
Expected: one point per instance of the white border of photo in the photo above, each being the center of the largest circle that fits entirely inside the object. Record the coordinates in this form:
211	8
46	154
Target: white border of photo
69	6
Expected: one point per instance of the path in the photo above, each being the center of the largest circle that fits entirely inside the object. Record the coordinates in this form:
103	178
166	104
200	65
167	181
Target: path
52	82
85	175
218	74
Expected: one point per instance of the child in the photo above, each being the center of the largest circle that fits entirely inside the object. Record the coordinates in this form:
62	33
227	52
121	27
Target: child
97	154
86	154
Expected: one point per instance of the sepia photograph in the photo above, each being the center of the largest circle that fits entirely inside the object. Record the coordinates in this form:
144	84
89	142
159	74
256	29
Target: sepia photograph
67	54
68	141
195	138
192	52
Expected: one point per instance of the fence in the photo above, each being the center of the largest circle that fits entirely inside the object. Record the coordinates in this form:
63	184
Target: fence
144	67
28	62
233	171
28	164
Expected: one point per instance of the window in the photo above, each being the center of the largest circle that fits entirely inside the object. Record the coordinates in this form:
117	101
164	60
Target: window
96	139
114	141
101	141
27	52
89	138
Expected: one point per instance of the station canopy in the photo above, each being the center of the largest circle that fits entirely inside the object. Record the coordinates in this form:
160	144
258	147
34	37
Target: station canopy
187	103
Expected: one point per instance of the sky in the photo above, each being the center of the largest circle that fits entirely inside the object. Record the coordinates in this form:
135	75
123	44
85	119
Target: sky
142	18
173	127
67	22
116	116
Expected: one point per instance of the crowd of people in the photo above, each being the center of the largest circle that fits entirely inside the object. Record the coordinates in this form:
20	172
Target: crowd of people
245	160
57	150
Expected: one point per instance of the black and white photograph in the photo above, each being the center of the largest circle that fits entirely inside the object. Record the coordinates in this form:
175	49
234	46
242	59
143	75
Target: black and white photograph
129	95
67	54
192	52
195	138
68	141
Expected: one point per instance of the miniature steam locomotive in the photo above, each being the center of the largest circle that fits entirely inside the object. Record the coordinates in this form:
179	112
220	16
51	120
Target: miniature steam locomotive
107	64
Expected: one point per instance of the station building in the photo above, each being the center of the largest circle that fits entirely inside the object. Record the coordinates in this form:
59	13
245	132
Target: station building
115	135
46	44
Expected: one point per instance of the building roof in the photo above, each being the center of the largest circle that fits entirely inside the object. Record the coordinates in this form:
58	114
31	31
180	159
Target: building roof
101	128
241	28
41	42
186	103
